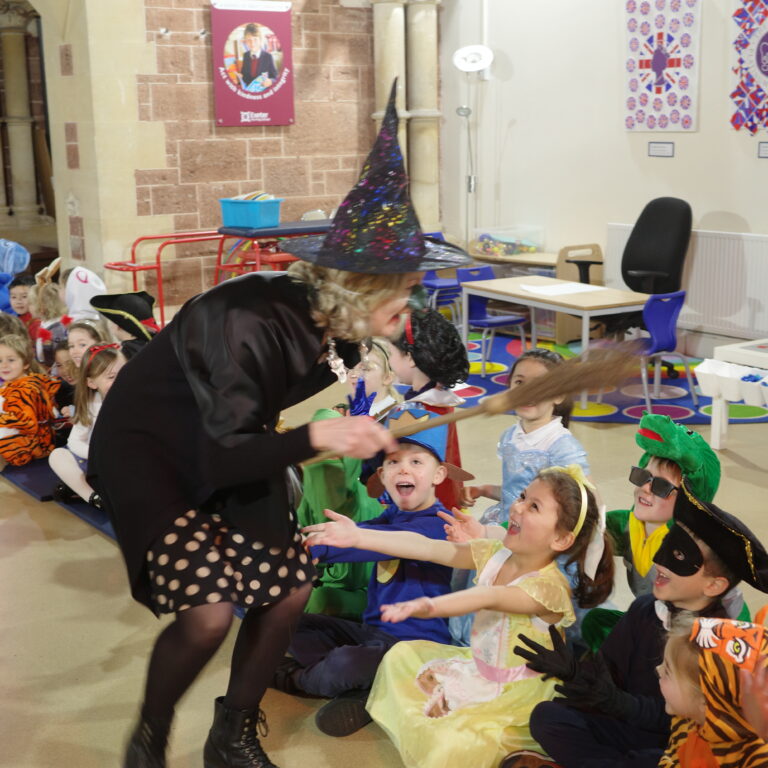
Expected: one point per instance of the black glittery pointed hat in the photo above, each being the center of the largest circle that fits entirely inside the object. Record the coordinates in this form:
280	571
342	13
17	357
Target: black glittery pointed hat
376	229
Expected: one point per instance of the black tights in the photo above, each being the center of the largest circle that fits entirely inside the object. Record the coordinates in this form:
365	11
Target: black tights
185	647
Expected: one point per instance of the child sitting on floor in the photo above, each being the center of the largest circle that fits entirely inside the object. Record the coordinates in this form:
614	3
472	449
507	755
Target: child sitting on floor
94	380
336	658
611	704
449	706
671	450
26	403
129	319
430	358
540	439
699	679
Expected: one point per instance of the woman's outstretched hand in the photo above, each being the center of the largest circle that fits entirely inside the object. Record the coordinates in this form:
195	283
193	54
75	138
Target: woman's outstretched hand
339	532
357	436
420	608
461	527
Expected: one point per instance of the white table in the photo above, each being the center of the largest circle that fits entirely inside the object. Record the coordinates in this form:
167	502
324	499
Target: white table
594	303
751	353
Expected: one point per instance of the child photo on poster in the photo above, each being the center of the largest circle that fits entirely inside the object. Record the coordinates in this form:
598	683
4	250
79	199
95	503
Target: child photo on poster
251	44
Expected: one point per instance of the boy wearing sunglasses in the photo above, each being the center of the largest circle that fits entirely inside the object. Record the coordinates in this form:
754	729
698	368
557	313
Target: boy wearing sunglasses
671	450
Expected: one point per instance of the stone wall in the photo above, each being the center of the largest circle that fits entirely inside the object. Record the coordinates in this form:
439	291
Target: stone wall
310	164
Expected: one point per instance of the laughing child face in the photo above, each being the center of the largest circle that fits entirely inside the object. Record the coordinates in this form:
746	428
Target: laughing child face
410	476
533	520
649	507
686	571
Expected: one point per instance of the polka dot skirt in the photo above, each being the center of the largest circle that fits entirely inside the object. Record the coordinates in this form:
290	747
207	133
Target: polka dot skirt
200	559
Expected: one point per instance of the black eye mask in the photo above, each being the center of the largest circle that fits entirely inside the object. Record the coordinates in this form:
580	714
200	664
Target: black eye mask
679	553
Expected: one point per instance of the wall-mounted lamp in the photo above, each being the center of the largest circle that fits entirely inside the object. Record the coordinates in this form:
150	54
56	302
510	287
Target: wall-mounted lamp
202	33
164	31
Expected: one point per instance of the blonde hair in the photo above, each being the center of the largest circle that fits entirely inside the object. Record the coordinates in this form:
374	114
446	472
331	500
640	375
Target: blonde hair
682	657
341	301
91	367
47	302
22	346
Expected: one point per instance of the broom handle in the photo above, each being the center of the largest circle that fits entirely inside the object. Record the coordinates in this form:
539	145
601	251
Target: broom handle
412	429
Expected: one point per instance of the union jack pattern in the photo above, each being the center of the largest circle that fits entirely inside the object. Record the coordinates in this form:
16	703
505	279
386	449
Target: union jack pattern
751	68
662	64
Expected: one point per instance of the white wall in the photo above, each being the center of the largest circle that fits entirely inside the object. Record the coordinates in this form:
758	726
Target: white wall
552	148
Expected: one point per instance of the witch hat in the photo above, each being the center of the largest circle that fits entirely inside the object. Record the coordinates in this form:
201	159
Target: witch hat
376	229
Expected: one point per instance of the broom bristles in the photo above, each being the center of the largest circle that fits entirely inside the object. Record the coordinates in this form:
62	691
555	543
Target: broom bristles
599	367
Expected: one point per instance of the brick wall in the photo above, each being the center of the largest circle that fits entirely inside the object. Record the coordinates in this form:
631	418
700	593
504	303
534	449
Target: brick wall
311	164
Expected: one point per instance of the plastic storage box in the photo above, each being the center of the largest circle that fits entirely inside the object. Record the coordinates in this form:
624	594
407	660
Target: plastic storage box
250	213
507	241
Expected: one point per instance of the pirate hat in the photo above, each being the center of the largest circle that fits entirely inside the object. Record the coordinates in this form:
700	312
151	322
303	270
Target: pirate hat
130	311
434	440
725	535
376	229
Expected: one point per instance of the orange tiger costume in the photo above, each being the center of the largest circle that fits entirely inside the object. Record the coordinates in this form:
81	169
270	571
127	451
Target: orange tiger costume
27	408
726	739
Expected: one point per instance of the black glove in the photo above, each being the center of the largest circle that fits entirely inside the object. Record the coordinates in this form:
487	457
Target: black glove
592	688
559	662
360	405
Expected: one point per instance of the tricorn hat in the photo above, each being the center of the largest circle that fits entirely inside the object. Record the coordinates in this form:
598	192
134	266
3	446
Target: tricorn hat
376	229
130	311
725	535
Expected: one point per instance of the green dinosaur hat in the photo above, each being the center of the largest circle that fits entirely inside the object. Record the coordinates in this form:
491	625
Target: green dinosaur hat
661	437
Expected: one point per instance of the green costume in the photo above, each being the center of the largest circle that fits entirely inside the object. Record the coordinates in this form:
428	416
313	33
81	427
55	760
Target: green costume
341	589
662	438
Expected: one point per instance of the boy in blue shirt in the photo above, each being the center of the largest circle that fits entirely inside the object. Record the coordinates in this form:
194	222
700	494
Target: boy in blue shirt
337	658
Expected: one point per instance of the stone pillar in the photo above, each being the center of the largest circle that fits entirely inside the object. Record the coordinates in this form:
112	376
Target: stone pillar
423	110
14	17
389	59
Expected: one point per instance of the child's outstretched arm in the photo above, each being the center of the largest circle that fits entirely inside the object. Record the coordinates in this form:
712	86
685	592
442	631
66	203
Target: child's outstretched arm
503	599
470	493
343	532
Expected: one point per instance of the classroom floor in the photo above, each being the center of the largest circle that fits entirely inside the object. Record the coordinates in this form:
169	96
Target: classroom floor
74	645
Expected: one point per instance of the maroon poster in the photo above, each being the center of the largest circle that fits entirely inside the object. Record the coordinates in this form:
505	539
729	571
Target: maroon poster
252	64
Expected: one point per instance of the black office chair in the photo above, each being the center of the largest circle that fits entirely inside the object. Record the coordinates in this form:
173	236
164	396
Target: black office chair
653	258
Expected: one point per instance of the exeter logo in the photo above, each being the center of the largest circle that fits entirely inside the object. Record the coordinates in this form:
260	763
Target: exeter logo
253	117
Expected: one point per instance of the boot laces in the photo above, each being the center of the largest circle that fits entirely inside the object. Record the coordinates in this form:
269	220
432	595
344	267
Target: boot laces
253	727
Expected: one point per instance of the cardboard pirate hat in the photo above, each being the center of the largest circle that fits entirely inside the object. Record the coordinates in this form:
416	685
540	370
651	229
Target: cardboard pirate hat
376	229
130	311
726	535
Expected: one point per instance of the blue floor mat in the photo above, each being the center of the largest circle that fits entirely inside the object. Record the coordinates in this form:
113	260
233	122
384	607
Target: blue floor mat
88	513
36	478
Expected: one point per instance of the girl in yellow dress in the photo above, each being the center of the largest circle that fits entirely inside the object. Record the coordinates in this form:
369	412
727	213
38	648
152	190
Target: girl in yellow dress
448	706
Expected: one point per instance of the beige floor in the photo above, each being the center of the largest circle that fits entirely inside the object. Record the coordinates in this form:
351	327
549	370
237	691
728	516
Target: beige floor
74	645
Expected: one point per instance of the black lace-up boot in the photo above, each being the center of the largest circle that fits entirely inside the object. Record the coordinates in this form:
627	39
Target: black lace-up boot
146	749
233	741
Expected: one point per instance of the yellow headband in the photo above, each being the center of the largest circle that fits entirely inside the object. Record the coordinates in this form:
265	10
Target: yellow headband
577	473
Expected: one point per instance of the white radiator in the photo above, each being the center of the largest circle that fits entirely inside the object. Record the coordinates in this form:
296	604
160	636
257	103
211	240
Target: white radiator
725	276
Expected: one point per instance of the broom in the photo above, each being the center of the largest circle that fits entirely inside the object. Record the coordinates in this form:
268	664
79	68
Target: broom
599	367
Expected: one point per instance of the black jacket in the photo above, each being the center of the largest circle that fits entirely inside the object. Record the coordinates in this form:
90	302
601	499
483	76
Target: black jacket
189	422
